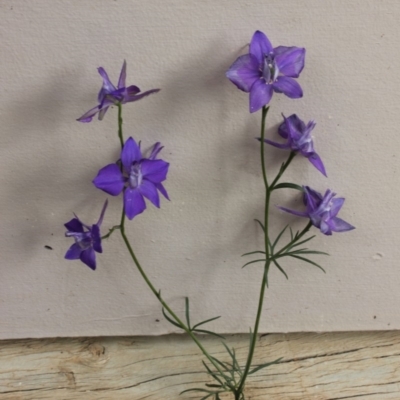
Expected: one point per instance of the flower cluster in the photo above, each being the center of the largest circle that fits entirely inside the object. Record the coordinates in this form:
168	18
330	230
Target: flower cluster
265	70
110	95
298	139
138	177
87	240
322	211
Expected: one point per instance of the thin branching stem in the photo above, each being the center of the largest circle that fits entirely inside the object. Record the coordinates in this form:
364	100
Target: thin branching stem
294	240
283	169
239	390
156	292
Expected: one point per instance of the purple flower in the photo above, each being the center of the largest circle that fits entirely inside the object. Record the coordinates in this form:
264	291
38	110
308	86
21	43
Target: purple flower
322	211
140	177
298	136
87	240
266	69
111	95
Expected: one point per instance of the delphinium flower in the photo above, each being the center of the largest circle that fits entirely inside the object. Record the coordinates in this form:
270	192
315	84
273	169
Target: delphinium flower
87	240
110	95
298	136
322	211
266	70
140	177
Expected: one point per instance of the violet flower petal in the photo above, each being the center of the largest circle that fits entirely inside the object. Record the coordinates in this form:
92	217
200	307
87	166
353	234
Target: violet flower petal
122	76
107	87
325	228
336	206
317	162
283	146
130	153
148	190
88	116
311	198
110	180
288	86
155	150
244	72
260	95
132	90
260	46
133	203
162	190
96	238
129	98
75	225
294	212
73	252
154	170
88	257
290	60
338	225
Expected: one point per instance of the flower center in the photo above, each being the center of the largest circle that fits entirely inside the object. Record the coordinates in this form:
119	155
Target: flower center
270	70
135	176
83	239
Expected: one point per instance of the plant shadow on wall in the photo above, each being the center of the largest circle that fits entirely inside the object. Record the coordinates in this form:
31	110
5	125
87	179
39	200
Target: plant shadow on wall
139	178
36	166
195	93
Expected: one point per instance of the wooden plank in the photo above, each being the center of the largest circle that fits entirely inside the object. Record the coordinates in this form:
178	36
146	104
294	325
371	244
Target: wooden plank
329	366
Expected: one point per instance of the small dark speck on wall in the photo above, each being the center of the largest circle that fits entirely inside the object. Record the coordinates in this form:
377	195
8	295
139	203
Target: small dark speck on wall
48	247
374	316
157	320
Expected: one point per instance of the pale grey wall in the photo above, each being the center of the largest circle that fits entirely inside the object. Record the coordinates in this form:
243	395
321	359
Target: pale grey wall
192	245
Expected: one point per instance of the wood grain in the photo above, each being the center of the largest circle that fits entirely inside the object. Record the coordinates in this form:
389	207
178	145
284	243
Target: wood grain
329	366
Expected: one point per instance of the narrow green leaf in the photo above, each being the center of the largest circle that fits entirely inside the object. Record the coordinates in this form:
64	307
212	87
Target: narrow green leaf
232	353
213	374
208	333
261	224
195	390
169	319
204	322
306	251
308	261
187	312
252	262
279	236
263	228
287	185
253	252
302	242
213	385
265	365
291	235
280	268
222	364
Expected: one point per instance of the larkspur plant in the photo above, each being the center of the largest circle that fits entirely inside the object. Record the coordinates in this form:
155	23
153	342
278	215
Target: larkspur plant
261	72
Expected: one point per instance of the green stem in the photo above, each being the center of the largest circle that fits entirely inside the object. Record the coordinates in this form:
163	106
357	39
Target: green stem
296	239
120	135
283	169
157	293
264	172
111	231
264	282
160	299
